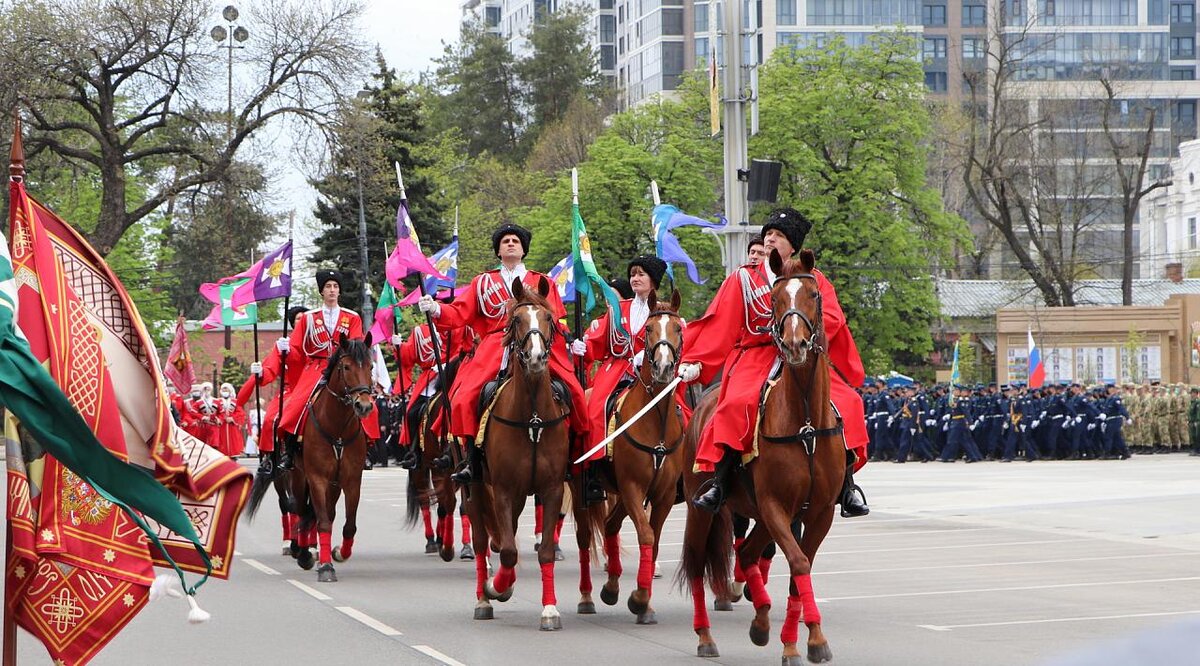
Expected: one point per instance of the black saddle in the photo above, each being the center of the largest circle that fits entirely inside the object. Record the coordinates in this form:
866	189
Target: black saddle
610	403
557	387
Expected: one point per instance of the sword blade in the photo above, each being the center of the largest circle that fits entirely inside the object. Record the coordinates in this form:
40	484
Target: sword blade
667	390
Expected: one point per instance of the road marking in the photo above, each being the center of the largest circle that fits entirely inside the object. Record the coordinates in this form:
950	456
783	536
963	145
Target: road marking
992	564
978	590
860	535
260	566
924	548
368	620
319	596
445	659
948	627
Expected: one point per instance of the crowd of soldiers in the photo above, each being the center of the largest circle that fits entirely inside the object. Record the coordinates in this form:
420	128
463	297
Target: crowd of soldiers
1013	421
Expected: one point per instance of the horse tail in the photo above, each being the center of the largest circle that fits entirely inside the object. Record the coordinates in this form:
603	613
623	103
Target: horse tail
412	509
258	490
711	561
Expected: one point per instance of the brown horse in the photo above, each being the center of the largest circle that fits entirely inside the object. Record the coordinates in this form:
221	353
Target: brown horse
790	486
334	447
525	445
647	460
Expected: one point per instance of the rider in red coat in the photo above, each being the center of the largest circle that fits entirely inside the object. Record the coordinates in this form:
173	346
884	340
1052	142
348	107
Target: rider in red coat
267	373
482	307
734	336
417	351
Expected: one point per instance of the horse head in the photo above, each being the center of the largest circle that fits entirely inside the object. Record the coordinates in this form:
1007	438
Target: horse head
664	338
348	374
531	327
796	308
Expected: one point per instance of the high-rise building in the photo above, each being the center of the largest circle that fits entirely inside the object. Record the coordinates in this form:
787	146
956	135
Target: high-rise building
513	19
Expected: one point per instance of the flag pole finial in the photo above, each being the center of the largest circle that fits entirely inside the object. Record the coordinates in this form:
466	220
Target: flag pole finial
400	181
575	186
16	161
654	192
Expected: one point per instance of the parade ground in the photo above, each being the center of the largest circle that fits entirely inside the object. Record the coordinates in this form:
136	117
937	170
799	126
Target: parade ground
987	563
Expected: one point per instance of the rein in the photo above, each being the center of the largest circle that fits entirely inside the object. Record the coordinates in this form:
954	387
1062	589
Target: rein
660	452
347	398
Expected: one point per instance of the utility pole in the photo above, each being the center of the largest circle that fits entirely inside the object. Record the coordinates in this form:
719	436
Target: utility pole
736	235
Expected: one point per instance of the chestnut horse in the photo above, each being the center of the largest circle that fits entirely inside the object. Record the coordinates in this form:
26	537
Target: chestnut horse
334	447
525	447
647	461
791	485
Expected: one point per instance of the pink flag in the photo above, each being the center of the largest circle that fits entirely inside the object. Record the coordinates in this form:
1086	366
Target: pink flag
407	257
179	361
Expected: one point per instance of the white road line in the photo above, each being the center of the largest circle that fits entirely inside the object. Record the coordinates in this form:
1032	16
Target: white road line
978	590
260	566
923	548
445	659
237	553
860	535
368	620
995	564
948	627
319	596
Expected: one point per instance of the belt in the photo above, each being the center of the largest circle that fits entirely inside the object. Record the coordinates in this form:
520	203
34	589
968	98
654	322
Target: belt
1057	416
884	413
958	416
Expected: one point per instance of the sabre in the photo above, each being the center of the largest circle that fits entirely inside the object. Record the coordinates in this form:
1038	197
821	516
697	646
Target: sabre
667	390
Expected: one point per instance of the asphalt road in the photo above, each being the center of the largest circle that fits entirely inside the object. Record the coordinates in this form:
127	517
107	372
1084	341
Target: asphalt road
958	564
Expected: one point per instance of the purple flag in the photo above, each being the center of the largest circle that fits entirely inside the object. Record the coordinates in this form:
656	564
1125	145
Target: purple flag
407	257
272	278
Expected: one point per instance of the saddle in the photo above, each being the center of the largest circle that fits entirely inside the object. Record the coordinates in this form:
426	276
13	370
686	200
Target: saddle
611	403
491	390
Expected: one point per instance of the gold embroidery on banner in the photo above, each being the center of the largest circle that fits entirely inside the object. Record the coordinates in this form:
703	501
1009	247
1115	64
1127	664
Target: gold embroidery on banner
62	611
83	371
81	503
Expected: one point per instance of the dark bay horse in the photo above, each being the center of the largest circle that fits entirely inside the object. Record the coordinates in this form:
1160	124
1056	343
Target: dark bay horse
789	488
334	447
525	447
647	461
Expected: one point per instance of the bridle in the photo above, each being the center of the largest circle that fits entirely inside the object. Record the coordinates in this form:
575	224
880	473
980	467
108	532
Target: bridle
652	349
519	345
347	397
811	342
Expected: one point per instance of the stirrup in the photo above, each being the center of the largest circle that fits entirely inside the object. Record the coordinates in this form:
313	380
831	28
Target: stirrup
852	506
711	500
463	476
442	462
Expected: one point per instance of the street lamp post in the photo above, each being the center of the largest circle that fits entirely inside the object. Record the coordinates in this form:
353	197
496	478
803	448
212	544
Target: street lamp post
368	305
226	38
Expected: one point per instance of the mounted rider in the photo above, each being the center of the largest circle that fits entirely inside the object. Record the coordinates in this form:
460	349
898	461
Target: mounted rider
266	373
417	351
734	338
482	306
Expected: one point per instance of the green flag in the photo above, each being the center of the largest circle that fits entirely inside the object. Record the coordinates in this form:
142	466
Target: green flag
581	250
231	316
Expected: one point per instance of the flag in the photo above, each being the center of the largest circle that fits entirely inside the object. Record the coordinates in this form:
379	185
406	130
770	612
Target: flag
665	218
407	258
581	257
955	376
1037	370
387	315
445	261
81	568
80	320
563	275
714	95
179	361
269	278
232	315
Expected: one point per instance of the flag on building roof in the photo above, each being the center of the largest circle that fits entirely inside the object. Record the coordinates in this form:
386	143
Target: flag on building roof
666	245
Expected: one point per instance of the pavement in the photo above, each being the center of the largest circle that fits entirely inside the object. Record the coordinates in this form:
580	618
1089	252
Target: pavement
1082	563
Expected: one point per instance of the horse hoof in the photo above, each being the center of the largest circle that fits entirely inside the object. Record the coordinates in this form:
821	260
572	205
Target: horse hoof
759	637
558	554
608	596
637	608
447	554
305	559
647	618
794	660
707	650
722	605
657	571
819	654
491	593
586	608
293	549
551	623
736	593
430	546
536	547
326	574
468	553
337	554
484	613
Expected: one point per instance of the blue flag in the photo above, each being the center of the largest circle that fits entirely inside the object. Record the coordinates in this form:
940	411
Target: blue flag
563	275
666	245
446	261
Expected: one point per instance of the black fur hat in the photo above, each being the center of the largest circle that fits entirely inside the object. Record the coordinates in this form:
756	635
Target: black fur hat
326	276
293	312
791	223
653	266
506	229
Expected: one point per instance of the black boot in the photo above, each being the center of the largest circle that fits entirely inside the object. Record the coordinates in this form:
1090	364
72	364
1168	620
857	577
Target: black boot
712	499
470	469
853	499
287	451
410	460
593	492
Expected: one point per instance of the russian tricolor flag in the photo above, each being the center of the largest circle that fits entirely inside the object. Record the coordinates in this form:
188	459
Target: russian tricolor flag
1037	371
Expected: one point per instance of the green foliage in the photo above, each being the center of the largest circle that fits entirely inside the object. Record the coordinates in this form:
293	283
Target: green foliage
848	125
478	93
968	360
563	64
1134	342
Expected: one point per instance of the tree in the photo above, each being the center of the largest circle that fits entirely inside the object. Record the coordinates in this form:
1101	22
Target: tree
119	86
564	143
478	93
848	124
563	64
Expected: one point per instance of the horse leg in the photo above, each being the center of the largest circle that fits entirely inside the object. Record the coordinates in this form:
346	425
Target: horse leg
815	529
552	499
353	488
500	587
612	553
779	522
747	556
659	509
695	540
583	540
639	599
318	488
447	531
475	507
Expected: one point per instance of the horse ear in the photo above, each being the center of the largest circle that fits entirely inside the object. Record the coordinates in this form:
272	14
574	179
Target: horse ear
775	262
676	300
517	288
652	300
341	339
808	260
543	286
367	340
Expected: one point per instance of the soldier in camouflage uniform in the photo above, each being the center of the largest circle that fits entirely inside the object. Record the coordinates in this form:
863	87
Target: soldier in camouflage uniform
1131	394
1161	418
1179	411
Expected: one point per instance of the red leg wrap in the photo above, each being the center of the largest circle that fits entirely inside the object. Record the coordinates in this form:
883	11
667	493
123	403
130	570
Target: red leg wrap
481	560
538	512
287	527
585	571
428	521
612	550
548	598
699	610
808	600
645	575
347	548
758	588
448	531
466	529
764	565
293	520
323	547
504	578
739	576
558	528
791	622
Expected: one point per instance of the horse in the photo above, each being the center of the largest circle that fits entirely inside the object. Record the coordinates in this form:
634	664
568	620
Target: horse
334	447
790	487
525	447
647	461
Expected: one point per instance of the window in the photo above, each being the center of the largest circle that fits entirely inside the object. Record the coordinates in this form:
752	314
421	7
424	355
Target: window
1191	233
491	17
1183	47
1185	113
702	54
935	48
785	12
974	15
935	81
700	19
973	47
608	28
1183	13
1048	9
606	4
933	15
1183	73
608	56
672	64
672	21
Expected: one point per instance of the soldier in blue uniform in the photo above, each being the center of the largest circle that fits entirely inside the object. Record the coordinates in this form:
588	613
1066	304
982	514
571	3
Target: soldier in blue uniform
1115	417
959	422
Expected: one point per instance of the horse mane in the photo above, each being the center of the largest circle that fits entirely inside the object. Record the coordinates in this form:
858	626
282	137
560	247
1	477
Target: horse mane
354	348
528	297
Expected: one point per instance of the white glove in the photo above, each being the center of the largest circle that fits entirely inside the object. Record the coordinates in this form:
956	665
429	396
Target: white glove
1078	420
945	417
930	422
972	426
891	420
1023	427
1066	423
283	345
427	304
638	357
689	372
256	368
578	347
1042	415
1035	423
912	431
1103	427
1091	426
397	339
1128	421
